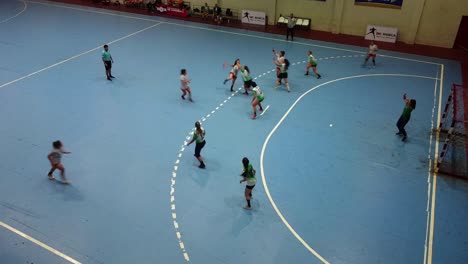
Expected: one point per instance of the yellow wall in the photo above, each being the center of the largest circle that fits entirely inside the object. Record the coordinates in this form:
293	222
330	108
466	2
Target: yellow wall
440	21
320	13
356	18
210	3
428	22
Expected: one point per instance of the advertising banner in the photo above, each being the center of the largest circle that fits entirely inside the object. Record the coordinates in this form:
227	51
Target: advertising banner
253	17
386	34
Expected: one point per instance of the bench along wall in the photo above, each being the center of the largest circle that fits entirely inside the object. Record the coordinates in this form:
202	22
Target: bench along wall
428	22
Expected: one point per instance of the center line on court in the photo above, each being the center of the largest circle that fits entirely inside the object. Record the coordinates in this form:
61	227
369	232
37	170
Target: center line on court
76	56
228	32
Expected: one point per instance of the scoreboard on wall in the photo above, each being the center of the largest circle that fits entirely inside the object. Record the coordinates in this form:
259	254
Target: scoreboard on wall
380	3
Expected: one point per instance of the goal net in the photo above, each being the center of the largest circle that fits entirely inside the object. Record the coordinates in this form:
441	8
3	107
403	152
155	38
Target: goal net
452	158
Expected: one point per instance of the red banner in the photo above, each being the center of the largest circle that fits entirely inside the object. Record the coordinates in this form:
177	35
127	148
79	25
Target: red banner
172	11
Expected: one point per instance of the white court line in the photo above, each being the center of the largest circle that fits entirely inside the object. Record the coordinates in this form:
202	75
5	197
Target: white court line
429	172
268	106
39	243
262	154
10	18
434	175
77	56
230	32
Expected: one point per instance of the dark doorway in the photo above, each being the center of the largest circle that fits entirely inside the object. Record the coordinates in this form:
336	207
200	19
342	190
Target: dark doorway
461	41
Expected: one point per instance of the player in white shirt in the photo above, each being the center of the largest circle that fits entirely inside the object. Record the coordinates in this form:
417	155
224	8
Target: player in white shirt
184	85
372	53
55	158
233	73
280	58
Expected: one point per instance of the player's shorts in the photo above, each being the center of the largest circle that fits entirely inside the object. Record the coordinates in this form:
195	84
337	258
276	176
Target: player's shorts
260	98
283	75
198	148
313	64
57	165
248	83
250	187
108	64
373	55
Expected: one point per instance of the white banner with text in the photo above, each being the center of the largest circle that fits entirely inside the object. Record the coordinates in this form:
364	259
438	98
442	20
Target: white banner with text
253	17
386	34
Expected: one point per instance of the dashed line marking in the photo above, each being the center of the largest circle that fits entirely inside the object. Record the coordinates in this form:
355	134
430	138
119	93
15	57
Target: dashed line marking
174	173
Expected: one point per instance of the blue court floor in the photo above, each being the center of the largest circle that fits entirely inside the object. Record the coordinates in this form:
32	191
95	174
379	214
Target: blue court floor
335	185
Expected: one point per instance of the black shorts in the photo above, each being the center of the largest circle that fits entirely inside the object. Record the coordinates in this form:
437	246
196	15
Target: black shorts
108	65
249	187
198	148
283	75
248	83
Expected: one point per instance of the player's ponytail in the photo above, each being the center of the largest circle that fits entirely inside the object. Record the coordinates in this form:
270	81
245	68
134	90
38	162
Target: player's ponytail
198	127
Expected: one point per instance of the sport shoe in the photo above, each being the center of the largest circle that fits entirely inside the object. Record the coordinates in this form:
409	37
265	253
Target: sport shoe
398	133
246	207
51	177
306	73
225	81
183	97
202	166
112	76
190	99
403	139
253	116
319	76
